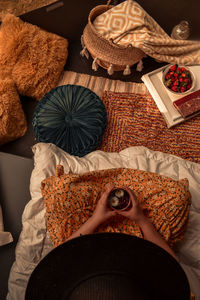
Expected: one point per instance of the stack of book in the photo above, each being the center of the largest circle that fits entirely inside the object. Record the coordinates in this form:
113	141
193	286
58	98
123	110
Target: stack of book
175	108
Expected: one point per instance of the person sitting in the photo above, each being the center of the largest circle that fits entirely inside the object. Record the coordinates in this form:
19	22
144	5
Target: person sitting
103	213
105	253
110	266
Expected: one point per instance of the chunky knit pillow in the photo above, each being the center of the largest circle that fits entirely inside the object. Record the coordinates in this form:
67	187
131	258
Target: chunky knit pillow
32	57
12	119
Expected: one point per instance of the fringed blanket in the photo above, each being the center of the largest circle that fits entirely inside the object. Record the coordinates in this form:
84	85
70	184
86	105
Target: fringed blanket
135	120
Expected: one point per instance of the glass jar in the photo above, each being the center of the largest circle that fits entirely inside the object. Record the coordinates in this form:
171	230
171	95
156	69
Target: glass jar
181	31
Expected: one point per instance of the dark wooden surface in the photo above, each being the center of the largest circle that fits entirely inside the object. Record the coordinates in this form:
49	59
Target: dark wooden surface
70	19
19	7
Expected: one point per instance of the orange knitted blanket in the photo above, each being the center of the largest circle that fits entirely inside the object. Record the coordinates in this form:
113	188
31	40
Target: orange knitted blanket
134	120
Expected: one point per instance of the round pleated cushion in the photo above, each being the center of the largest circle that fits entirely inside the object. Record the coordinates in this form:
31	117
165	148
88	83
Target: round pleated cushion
72	117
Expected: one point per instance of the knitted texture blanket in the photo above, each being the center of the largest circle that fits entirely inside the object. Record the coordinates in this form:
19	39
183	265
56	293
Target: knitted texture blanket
135	120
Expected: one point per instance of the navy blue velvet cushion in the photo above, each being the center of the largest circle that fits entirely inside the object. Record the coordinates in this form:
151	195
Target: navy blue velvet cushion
72	117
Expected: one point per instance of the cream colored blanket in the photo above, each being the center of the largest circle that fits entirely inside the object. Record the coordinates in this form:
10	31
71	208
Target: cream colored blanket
128	23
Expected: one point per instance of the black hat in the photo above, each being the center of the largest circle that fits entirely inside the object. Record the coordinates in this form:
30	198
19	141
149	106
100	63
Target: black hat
108	266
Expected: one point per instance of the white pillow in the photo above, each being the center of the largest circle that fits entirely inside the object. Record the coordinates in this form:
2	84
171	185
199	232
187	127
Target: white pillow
34	242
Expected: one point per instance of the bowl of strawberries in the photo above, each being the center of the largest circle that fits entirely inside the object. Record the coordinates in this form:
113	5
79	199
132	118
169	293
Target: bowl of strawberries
178	79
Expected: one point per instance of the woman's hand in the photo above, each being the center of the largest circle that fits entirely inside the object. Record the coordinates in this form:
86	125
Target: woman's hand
135	213
102	212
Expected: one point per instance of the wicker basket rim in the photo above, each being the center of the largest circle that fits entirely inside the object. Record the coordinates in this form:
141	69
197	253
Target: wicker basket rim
98	34
115	60
127	56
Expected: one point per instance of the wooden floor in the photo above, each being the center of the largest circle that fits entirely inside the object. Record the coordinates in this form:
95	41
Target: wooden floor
19	7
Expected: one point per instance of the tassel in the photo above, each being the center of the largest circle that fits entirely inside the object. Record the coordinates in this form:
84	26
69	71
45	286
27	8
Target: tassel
139	66
127	70
94	64
82	42
110	70
84	52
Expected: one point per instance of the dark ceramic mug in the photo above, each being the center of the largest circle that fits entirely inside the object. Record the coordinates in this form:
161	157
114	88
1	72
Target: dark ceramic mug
119	199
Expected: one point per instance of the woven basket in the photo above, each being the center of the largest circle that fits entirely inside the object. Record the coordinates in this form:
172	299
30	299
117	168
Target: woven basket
106	53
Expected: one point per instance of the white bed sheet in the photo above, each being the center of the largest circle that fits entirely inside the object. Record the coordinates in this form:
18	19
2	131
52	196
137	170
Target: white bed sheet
34	242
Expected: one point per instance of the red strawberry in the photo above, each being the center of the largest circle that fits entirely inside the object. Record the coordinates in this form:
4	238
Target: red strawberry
182	89
175	74
181	79
174	88
167	76
183	75
173	68
176	82
188	86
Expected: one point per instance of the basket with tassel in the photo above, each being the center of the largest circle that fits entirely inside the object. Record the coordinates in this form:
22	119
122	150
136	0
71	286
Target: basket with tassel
105	52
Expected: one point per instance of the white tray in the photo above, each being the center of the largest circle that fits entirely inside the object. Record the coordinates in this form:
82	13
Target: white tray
163	98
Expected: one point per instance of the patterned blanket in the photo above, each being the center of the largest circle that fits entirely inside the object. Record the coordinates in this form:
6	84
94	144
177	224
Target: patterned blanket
128	23
70	200
134	120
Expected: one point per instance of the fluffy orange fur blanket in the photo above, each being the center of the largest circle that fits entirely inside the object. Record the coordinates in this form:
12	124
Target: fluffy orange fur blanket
33	58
